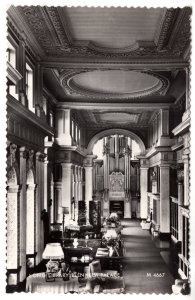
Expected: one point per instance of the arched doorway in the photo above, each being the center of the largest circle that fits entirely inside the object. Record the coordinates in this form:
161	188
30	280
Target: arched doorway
117	171
114	131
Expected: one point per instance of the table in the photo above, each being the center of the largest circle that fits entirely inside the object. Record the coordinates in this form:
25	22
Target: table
107	227
36	283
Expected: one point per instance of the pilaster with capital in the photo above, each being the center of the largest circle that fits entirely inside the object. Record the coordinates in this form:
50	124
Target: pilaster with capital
67	188
164	198
185	159
127	205
143	188
39	205
23	157
13	259
63	126
57	202
106	159
88	165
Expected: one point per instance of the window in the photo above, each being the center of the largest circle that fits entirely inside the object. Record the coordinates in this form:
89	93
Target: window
51	119
29	87
174	217
76	133
11	58
184	256
11	54
45	105
73	135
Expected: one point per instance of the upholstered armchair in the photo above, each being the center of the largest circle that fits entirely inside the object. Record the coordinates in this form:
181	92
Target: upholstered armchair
105	281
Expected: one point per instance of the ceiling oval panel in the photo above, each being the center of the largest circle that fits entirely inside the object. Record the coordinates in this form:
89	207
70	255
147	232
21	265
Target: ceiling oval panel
115	82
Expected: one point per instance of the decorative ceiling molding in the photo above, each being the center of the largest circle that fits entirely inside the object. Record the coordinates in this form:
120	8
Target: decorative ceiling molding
48	28
139	119
122	118
56	23
20	27
181	35
167	27
74	90
149	105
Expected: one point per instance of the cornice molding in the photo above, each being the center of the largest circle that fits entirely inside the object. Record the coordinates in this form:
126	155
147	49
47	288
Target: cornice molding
182	127
167	27
19	109
13	74
135	64
113	105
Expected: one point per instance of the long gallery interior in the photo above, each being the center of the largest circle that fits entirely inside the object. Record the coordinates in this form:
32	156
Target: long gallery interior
98	156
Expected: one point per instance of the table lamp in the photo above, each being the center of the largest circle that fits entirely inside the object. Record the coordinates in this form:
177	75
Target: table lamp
52	251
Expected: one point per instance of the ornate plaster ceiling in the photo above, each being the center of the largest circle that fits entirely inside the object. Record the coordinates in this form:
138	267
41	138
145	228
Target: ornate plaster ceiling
107	84
122	119
108	33
116	82
118	117
114	27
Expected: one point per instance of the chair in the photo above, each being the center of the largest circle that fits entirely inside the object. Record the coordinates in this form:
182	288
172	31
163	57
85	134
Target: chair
106	281
95	268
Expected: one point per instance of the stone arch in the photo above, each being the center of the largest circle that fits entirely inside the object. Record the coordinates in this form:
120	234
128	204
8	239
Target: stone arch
113	131
12	178
30	177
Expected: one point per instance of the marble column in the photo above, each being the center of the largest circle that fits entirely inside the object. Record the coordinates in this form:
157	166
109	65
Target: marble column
23	157
42	157
88	189
30	219
185	159
38	209
13	197
67	188
82	184
164	122
127	204
106	177
88	165
46	181
63	126
51	202
116	152
76	198
164	199
58	202
143	190
180	204
39	243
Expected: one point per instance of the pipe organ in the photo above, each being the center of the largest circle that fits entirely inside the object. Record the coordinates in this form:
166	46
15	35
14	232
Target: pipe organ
115	177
